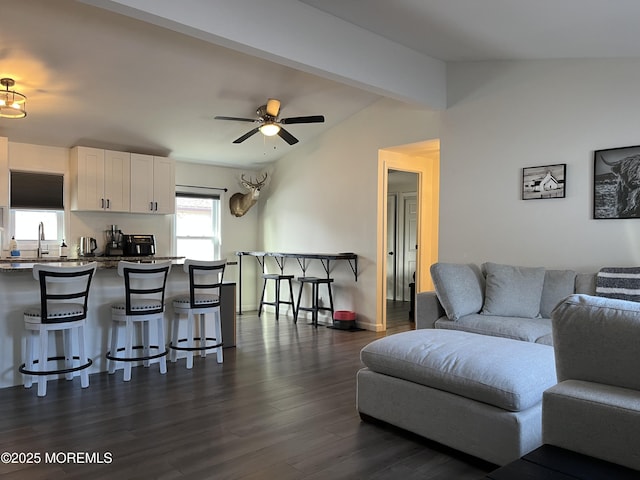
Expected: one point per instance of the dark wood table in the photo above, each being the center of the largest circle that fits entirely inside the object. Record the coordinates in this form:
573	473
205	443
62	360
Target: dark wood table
302	259
553	463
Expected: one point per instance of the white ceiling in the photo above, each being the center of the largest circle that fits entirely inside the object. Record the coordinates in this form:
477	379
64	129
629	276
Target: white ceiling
96	77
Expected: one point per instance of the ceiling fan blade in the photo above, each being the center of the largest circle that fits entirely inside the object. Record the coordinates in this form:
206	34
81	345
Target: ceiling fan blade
287	137
273	107
246	135
237	119
309	119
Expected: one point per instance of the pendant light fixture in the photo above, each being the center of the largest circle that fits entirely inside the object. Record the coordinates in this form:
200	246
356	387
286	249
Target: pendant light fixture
12	103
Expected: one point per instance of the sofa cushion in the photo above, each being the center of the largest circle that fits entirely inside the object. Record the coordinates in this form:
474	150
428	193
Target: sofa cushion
584	326
505	373
537	330
558	285
459	287
512	291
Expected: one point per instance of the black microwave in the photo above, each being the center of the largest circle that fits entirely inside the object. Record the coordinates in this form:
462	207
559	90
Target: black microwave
138	245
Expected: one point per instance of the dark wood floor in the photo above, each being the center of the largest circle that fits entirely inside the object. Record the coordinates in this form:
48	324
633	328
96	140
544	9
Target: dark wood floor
281	406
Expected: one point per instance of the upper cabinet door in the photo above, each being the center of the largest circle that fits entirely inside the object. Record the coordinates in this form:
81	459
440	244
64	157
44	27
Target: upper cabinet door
117	181
152	184
164	185
87	182
141	183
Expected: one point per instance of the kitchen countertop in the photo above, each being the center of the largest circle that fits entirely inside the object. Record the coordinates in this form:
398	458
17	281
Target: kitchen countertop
17	264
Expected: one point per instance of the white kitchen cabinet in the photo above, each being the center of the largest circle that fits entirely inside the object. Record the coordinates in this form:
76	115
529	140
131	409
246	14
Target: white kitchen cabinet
153	184
100	180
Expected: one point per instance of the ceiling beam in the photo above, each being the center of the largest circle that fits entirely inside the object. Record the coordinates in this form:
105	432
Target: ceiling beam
297	35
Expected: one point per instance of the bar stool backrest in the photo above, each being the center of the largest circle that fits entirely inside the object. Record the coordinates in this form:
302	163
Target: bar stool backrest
205	279
144	282
63	286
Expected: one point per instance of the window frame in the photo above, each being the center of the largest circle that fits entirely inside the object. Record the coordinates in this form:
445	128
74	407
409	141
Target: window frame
216	238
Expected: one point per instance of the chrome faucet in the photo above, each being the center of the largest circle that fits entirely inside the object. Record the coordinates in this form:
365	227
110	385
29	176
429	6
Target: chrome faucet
39	251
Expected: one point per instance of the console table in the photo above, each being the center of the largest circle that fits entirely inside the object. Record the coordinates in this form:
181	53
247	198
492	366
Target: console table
553	463
303	260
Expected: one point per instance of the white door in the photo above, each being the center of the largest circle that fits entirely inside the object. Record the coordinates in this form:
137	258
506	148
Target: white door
392	236
410	243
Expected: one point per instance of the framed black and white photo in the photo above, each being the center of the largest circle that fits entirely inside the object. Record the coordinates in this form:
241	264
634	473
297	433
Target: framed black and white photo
548	181
616	183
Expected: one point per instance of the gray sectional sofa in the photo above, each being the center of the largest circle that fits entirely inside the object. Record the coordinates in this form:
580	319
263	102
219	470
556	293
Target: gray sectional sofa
453	379
498	300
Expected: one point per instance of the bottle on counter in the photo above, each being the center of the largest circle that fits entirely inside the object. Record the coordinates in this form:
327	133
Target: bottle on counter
64	250
13	247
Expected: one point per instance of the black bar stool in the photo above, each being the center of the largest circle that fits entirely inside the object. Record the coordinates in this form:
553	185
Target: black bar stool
64	296
315	307
277	278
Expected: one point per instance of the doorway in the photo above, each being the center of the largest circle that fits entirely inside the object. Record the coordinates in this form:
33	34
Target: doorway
402	223
422	160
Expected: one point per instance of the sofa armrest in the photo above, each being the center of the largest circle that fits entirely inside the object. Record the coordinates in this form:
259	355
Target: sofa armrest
428	310
594	419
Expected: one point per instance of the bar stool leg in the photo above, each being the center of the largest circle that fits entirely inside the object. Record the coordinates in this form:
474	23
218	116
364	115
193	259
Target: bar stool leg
161	344
297	310
174	336
218	336
330	299
146	343
68	352
84	373
190	321
293	305
316	302
203	336
264	289
128	348
114	347
42	362
277	299
28	361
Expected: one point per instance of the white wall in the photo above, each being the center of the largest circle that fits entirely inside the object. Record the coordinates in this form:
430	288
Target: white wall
322	198
508	115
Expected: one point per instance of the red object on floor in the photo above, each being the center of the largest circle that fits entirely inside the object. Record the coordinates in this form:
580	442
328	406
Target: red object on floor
344	319
344	315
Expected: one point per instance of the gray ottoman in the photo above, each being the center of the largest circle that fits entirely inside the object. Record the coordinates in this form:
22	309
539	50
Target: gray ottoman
478	394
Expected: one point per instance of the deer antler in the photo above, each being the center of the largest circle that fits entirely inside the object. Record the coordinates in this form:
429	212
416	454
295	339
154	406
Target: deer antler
250	184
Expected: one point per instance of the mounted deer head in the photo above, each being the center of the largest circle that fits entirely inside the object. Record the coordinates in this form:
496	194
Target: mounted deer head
240	203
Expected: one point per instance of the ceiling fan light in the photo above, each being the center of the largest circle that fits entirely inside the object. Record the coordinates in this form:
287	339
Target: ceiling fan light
12	103
269	129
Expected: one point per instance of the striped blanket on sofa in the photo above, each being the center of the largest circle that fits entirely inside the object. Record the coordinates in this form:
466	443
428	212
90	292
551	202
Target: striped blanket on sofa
619	282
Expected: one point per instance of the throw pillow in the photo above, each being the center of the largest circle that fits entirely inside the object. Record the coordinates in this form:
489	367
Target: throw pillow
459	287
558	285
512	291
622	283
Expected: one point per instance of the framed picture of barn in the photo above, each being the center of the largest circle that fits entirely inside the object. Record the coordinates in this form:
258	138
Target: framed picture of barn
547	181
616	183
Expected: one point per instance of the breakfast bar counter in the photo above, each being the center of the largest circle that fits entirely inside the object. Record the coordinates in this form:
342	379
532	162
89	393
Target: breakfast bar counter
19	289
16	264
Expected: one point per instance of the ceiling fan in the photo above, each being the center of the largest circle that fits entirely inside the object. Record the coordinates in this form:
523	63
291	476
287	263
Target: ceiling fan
270	124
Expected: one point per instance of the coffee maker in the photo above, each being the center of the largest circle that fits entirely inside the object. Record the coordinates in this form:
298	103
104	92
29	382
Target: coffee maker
114	247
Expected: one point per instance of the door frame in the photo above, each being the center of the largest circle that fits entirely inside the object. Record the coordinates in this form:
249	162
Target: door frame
423	159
